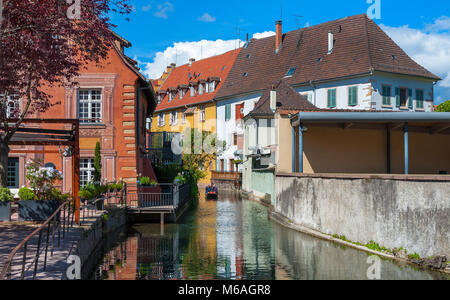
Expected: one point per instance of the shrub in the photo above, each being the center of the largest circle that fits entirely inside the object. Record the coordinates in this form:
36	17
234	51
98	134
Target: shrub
145	181
6	195
56	194
444	107
26	194
42	180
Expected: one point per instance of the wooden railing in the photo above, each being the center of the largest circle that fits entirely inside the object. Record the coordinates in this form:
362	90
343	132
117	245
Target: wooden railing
228	176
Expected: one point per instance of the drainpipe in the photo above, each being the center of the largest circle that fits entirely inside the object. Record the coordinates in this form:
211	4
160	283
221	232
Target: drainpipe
314	90
293	149
406	138
300	152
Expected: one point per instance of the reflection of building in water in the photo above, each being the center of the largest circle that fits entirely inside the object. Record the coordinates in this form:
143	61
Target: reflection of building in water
158	256
229	239
200	259
258	242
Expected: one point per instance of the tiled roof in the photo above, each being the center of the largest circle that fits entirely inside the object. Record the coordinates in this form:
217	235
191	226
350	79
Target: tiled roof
214	68
287	100
360	46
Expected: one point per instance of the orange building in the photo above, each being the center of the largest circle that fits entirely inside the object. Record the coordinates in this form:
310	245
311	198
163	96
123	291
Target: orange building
113	102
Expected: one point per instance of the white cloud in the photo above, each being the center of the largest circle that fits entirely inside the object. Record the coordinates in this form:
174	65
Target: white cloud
264	34
429	48
163	10
440	24
146	7
181	52
207	18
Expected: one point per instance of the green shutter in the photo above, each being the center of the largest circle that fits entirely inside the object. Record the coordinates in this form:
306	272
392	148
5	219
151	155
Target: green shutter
410	99
419	99
332	98
353	96
397	97
227	112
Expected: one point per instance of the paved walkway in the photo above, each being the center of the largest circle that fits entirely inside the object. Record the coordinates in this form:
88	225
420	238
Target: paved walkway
11	234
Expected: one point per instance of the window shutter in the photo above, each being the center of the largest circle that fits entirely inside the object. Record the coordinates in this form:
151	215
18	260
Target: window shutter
397	97
410	99
331	98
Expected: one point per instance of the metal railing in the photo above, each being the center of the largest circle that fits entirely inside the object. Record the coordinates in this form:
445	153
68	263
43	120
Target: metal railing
172	196
28	254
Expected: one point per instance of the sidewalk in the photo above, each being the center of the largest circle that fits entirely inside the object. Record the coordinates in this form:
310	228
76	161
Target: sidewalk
11	234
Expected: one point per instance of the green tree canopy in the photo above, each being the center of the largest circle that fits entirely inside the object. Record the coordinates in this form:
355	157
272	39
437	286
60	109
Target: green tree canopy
444	107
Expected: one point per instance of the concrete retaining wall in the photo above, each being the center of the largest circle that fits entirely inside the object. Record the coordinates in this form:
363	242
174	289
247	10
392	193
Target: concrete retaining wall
394	211
93	235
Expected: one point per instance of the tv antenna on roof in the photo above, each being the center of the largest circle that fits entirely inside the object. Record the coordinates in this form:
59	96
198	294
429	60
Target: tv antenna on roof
297	20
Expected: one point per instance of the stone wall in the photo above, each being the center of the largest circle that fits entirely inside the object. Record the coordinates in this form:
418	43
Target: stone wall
412	212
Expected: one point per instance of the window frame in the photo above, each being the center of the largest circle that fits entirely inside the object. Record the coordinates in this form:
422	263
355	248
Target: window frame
89	170
90	120
335	98
385	97
350	94
417	99
16	171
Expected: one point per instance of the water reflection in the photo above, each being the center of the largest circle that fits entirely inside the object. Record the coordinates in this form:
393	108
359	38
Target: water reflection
234	239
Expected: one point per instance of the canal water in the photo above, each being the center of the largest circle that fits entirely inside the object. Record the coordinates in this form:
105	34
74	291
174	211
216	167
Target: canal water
233	238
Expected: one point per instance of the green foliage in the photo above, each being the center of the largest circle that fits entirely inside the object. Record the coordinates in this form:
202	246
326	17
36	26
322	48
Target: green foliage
97	164
414	256
115	187
42	180
56	194
444	107
145	180
91	190
26	194
6	195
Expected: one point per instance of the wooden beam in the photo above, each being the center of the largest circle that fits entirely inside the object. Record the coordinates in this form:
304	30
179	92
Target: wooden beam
439	128
347	125
396	126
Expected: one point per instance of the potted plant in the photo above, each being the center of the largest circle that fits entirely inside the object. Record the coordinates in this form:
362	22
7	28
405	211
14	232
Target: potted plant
6	197
42	199
147	185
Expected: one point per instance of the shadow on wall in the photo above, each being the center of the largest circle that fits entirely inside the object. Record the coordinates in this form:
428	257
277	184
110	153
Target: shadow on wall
337	150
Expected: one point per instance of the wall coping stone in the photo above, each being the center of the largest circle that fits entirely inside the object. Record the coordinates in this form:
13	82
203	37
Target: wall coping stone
400	177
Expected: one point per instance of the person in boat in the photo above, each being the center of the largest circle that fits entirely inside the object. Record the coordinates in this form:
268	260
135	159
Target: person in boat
212	189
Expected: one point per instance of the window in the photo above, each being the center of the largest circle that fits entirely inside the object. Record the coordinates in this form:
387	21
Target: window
402	96
90	106
353	96
13	172
291	71
86	171
192	89
181	94
201	89
161	120
239	111
419	99
170	118
174	118
202	113
183	117
235	139
170	96
159	98
310	97
386	95
227	112
245	74
12	105
212	87
331	98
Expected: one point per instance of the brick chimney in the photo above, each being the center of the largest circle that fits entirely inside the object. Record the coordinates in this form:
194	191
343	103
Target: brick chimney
191	61
279	35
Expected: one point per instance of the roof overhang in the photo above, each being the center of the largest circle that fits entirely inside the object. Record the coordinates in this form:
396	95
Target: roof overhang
432	122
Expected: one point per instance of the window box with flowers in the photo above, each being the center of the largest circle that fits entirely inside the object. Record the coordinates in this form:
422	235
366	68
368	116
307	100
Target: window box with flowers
42	199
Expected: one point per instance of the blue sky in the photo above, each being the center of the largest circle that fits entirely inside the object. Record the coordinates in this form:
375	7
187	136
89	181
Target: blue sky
163	32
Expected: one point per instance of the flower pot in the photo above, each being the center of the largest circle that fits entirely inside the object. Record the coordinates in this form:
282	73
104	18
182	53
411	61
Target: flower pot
5	211
36	210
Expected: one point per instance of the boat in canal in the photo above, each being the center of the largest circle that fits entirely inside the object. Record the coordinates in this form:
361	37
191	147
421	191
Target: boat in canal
211	192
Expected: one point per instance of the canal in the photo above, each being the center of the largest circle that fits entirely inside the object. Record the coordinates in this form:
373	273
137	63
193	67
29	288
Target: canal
233	239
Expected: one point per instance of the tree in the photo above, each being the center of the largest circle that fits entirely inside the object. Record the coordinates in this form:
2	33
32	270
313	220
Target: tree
97	164
44	44
444	107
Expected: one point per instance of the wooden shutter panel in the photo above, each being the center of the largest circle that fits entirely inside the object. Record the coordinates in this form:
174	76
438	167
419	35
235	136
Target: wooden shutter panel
397	97
410	99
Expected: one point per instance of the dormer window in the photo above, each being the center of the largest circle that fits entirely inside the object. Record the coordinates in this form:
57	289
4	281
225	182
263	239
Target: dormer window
159	98
181	94
170	96
192	90
291	71
201	89
212	86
